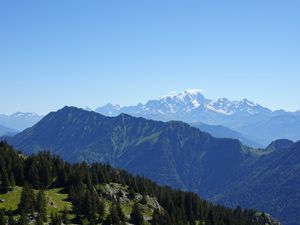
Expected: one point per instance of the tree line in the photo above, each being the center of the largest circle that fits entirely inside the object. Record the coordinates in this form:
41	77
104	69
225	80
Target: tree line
44	170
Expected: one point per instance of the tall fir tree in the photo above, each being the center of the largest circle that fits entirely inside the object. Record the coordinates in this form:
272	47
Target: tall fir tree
3	219
55	219
39	220
11	220
27	202
65	215
23	220
114	214
120	211
136	215
41	205
4	182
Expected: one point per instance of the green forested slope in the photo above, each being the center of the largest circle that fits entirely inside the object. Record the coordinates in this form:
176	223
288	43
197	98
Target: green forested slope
83	194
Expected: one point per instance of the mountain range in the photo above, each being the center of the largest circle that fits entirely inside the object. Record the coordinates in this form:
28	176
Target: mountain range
252	124
19	121
274	177
78	193
257	123
176	154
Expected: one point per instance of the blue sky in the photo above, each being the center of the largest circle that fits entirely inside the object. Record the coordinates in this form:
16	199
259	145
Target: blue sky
87	53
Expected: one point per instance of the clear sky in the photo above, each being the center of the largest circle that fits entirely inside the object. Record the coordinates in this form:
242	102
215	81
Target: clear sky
87	53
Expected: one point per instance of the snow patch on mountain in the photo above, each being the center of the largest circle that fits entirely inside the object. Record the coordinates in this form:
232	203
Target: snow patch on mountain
185	103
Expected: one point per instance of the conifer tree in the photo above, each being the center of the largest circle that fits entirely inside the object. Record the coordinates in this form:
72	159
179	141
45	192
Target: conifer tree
156	217
108	220
114	214
136	215
2	217
27	202
39	220
65	216
92	222
23	220
41	205
131	193
4	182
100	209
12	180
55	220
11	220
89	209
120	211
144	199
33	175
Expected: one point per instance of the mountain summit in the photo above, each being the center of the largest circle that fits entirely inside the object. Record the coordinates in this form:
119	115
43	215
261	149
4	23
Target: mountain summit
163	151
186	102
255	122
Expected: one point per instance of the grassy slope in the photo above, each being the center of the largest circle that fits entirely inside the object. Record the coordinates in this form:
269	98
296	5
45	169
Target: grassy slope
11	199
56	200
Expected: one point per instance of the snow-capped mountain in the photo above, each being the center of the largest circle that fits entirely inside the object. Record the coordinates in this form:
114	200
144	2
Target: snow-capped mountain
184	104
259	123
227	107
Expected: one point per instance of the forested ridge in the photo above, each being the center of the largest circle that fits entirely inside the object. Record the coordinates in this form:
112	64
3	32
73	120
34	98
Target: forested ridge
44	171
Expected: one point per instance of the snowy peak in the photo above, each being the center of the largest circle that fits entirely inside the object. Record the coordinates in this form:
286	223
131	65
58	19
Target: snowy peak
183	101
186	103
189	92
227	107
222	105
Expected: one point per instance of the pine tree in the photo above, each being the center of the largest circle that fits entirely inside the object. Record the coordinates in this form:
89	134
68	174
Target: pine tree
114	214
144	200
100	209
4	182
39	220
33	175
2	217
12	180
211	217
65	215
41	205
56	220
131	194
156	217
23	220
120	212
11	220
27	202
92	222
136	215
89	209
108	220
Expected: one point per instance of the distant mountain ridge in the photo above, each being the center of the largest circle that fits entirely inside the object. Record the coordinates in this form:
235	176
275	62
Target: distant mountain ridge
128	142
224	132
275	176
185	103
253	124
258	123
6	131
176	154
19	120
